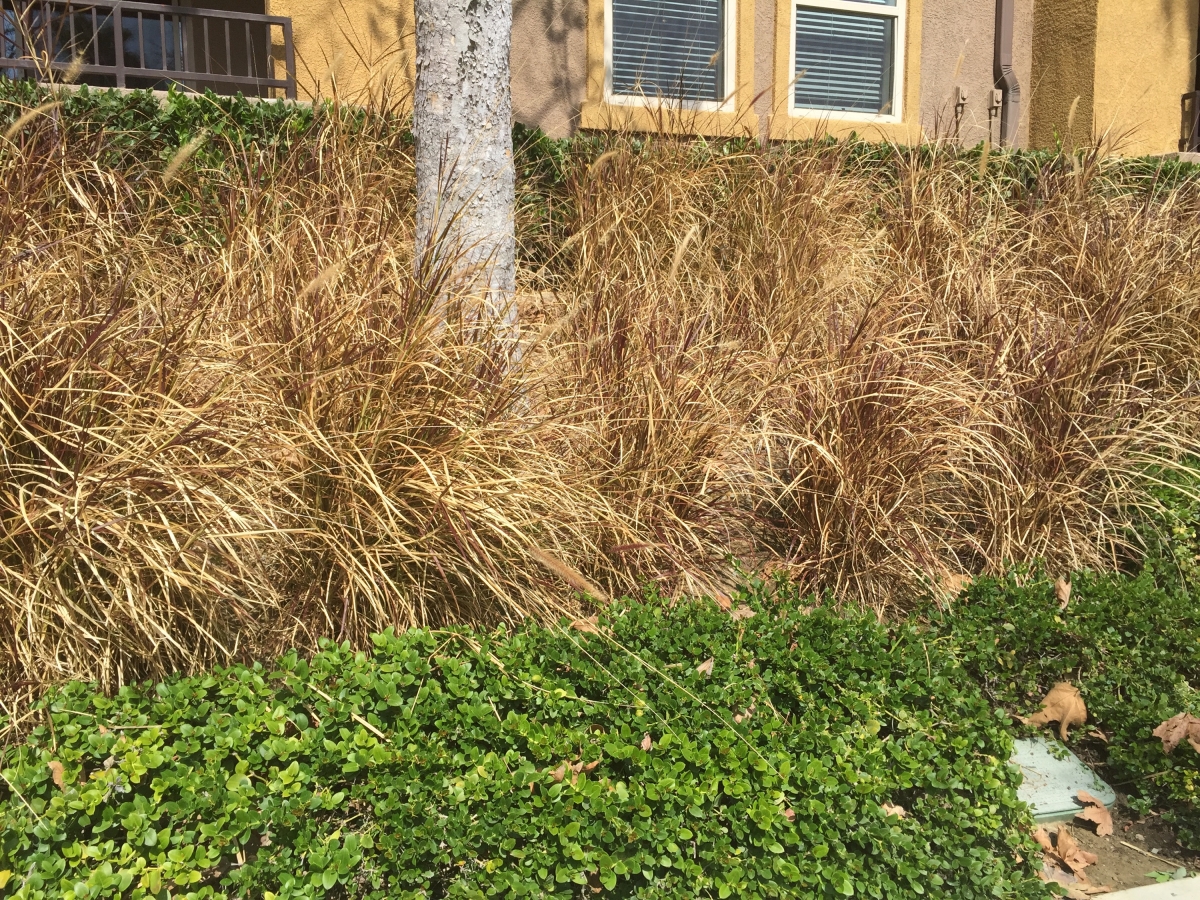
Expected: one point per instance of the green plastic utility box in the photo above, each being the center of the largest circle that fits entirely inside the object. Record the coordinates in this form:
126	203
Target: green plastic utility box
1051	784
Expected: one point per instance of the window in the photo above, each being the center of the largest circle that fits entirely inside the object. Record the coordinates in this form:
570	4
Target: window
670	49
847	58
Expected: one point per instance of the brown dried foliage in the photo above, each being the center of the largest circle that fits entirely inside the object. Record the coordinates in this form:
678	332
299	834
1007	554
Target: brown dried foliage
248	425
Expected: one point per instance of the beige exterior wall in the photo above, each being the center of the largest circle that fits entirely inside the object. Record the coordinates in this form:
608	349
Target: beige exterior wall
1144	63
350	45
958	51
1127	61
1023	24
366	44
549	63
558	65
764	65
1064	71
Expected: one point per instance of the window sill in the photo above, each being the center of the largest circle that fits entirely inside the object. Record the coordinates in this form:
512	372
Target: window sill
802	128
667	119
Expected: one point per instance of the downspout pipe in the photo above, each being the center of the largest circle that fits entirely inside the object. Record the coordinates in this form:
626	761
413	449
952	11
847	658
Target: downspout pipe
1005	75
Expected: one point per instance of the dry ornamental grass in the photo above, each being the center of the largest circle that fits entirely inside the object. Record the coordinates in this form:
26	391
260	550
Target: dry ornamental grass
234	420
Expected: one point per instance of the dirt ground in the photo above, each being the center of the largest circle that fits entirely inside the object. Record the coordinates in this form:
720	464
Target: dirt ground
1137	846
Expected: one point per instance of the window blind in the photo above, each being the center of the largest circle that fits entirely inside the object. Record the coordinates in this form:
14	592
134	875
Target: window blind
844	61
668	48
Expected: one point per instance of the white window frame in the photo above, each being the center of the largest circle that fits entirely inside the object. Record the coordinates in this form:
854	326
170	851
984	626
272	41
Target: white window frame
899	12
729	78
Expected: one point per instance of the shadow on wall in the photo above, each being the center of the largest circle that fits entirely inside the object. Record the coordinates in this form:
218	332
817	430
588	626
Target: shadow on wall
549	63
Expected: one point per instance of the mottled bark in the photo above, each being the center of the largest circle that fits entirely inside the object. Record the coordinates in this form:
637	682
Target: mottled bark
462	123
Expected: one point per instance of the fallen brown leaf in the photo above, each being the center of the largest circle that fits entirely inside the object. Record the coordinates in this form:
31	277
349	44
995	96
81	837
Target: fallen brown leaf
1094	811
723	601
56	772
560	773
1063	705
590	625
1176	729
647	743
1043	839
1054	871
581	766
955	584
742	612
706	667
893	809
789	814
1062	590
1076	858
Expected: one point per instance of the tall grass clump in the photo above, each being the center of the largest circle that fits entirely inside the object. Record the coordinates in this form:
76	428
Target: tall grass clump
235	420
916	369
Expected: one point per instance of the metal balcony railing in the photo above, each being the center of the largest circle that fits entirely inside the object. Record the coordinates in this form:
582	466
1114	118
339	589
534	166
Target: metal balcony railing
121	44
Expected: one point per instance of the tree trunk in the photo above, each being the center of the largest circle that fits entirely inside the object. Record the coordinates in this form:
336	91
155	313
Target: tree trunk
462	123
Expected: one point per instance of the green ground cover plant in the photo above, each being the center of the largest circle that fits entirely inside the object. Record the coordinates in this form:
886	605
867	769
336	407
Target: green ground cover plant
1132	647
676	749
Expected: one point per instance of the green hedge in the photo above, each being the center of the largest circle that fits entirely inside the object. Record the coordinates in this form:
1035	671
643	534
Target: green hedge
1133	649
440	765
141	126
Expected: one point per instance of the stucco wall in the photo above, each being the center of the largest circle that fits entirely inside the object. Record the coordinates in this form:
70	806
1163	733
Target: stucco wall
957	51
1023	15
549	63
1064	68
959	37
1128	62
768	98
1144	62
363	43
351	43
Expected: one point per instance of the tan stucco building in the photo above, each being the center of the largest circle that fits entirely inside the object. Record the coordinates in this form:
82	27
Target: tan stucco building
1120	65
1015	72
